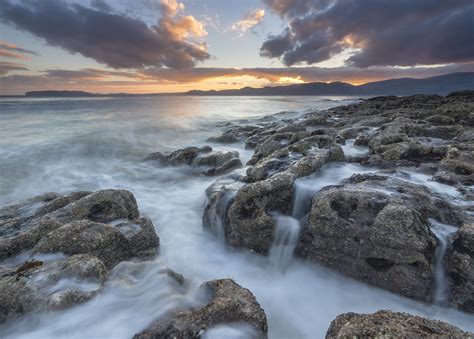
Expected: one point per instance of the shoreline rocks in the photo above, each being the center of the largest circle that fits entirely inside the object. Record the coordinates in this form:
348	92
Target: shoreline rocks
373	227
82	235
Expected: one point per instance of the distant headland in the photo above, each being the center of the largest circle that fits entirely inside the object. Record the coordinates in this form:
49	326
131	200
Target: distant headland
442	84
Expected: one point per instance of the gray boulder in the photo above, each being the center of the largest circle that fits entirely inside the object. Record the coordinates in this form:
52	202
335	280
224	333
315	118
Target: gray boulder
227	303
387	324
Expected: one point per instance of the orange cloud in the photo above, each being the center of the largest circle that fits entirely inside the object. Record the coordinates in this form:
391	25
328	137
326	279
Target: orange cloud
9	50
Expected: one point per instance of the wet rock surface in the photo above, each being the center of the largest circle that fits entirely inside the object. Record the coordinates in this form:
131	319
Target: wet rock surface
81	236
371	227
110	243
387	324
227	302
370	236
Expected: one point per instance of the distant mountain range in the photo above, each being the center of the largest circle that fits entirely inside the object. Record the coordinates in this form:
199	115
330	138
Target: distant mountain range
442	84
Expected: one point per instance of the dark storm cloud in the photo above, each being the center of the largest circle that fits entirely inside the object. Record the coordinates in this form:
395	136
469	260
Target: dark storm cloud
116	40
383	32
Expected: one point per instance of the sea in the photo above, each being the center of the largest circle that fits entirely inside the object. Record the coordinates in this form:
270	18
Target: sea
69	144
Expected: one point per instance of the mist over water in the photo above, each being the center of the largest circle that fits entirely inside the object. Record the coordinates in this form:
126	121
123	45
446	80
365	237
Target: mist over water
63	145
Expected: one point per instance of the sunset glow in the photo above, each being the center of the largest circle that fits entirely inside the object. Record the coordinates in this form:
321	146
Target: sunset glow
175	46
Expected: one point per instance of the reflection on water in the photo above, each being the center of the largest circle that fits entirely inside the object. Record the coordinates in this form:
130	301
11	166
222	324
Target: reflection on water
89	144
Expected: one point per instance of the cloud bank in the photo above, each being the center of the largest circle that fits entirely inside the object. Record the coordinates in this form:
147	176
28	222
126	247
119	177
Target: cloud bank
114	39
157	79
379	32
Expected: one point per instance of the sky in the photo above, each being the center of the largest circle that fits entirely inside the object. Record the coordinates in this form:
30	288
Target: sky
161	46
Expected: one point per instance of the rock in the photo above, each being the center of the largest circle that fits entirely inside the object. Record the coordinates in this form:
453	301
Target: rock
361	140
221	162
101	206
215	159
225	138
219	196
387	324
393	154
111	244
235	134
184	156
457	166
227	303
460	268
440	120
290	159
270	145
38	285
417	197
225	167
24	230
250	223
291	128
372	237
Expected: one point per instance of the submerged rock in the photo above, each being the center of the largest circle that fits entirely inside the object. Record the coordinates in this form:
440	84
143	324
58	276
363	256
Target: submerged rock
227	303
387	324
38	285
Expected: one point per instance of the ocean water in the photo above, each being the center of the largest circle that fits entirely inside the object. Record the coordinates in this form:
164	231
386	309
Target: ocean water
63	145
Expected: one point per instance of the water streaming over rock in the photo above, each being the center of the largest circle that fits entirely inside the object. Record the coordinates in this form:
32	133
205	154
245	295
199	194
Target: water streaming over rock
288	227
285	238
443	233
